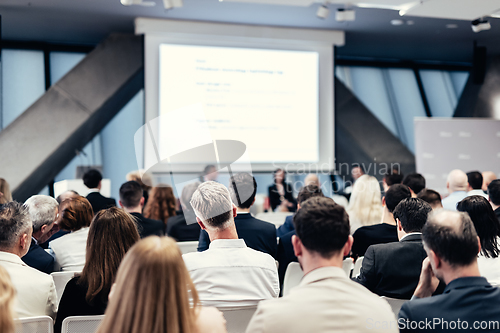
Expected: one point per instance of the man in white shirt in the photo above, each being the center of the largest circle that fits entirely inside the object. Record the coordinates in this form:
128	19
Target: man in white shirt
475	184
36	292
325	300
456	184
229	273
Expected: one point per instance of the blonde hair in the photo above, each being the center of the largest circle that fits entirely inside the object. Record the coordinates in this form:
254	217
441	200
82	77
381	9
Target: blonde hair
7	296
153	291
140	176
365	204
5	190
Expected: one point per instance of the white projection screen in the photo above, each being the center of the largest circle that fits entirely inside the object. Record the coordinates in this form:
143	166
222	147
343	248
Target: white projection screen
268	88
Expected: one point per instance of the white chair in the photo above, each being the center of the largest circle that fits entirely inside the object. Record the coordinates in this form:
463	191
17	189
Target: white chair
60	280
41	324
187	247
81	324
395	304
293	275
347	266
238	318
357	267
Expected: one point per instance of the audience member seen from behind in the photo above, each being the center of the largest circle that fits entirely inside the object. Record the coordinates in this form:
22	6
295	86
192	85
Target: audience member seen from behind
7	300
257	234
183	227
93	180
365	205
452	246
229	273
210	174
393	269
161	204
153	293
312	179
75	216
5	195
36	292
132	201
487	227
326	300
488	177
415	182
385	232
456	184
393	177
144	179
43	212
432	197
475	184
494	196
112	233
281	193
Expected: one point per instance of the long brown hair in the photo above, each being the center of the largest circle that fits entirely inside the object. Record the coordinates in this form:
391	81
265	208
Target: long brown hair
152	292
75	213
161	203
7	295
112	233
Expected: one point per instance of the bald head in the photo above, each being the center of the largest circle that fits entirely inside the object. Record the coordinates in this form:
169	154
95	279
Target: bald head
488	177
312	179
456	181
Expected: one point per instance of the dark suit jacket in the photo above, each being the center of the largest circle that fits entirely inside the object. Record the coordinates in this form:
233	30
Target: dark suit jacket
39	259
274	196
180	230
148	227
497	211
100	202
285	227
257	234
469	299
393	269
373	234
285	255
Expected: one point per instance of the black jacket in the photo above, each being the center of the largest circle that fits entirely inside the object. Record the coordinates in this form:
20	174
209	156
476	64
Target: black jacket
182	231
148	227
285	255
373	234
274	196
100	202
38	258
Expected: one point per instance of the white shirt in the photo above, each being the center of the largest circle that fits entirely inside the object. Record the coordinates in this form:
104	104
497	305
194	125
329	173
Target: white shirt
70	249
490	269
230	274
36	291
478	192
450	202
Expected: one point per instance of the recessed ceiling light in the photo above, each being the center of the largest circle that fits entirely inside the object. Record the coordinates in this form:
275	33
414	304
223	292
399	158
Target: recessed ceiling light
452	26
397	22
410	22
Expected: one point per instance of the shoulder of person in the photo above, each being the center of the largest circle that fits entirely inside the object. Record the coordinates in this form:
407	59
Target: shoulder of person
210	320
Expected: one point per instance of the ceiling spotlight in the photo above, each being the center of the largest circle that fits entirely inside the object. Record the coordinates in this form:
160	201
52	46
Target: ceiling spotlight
138	3
169	4
397	22
323	11
343	14
480	24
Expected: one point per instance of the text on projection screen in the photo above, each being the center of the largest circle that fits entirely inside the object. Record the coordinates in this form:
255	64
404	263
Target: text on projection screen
267	99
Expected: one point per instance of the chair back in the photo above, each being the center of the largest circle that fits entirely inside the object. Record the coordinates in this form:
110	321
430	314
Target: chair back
357	267
395	304
293	275
60	280
81	324
187	247
41	324
347	266
238	318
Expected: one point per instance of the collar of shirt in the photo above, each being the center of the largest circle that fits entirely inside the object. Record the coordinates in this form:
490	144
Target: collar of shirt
227	243
323	273
466	282
94	190
11	257
34	239
411	233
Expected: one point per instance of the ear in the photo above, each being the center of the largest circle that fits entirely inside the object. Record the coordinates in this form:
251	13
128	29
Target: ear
383	200
447	185
234	211
478	244
253	201
434	259
348	246
24	242
42	229
400	226
141	203
297	246
120	203
202	226
298	206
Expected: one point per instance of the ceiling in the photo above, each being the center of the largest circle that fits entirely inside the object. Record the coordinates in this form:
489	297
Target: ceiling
371	35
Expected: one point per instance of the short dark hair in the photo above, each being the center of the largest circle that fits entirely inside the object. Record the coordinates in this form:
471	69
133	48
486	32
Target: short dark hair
412	213
242	188
456	245
358	165
475	180
494	191
430	196
322	226
415	181
92	178
130	194
395	176
395	194
308	192
208	169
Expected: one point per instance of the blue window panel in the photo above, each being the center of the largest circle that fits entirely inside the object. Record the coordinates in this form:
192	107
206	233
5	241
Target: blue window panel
61	63
440	92
459	79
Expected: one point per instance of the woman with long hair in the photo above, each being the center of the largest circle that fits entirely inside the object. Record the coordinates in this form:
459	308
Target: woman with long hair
365	204
112	233
155	294
281	193
161	203
7	297
5	195
488	230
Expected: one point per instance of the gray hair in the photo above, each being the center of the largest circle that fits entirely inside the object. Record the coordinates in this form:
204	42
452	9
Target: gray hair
14	222
212	205
187	194
42	210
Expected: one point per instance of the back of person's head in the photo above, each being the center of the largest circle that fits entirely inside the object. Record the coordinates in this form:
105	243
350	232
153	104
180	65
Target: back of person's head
415	181
413	214
7	299
312	179
212	204
42	210
187	194
394	176
457	181
14	223
485	222
488	177
365	204
322	226
5	195
92	178
131	194
209	169
161	203
112	233
452	237
494	192
144	179
153	291
66	195
309	191
75	213
395	194
432	197
475	180
243	188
